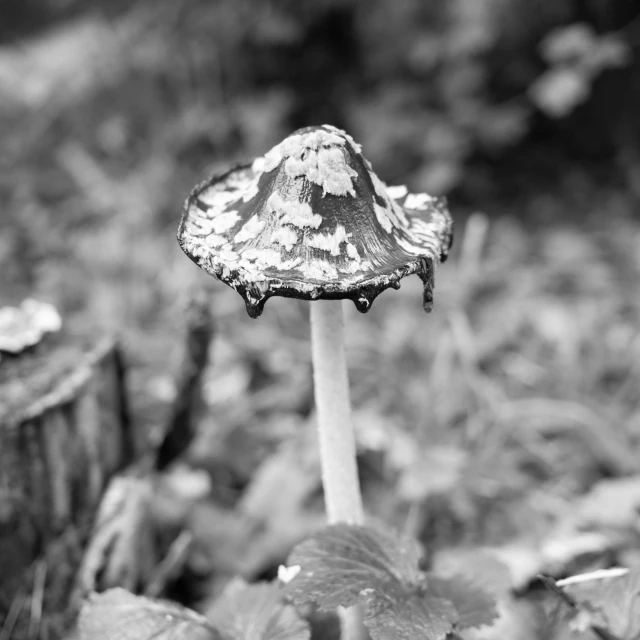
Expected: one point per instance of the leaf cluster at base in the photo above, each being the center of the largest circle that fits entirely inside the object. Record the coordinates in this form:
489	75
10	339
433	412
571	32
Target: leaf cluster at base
345	565
243	612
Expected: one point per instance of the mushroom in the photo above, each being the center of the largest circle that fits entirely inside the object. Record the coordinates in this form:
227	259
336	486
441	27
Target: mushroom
311	220
25	326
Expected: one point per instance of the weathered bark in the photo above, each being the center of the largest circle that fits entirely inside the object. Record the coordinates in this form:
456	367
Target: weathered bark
63	432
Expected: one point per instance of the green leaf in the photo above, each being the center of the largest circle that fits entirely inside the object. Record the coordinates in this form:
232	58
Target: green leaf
341	561
396	614
344	565
478	565
475	606
256	612
608	599
119	615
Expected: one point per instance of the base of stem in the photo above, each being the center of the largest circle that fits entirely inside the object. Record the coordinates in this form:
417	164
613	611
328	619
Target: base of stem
352	623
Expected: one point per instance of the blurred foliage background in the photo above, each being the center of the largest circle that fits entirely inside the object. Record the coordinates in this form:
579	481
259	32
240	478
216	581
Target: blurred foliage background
111	111
520	390
524	110
445	94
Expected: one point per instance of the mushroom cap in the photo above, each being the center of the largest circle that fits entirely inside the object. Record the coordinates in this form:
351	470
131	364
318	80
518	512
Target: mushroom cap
311	220
25	326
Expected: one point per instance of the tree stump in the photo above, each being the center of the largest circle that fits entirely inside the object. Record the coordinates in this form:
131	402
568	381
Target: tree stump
64	431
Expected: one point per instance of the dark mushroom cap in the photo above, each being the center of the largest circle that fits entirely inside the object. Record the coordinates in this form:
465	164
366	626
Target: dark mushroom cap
312	220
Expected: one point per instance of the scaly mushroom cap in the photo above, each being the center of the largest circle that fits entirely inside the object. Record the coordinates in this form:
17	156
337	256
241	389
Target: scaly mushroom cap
312	220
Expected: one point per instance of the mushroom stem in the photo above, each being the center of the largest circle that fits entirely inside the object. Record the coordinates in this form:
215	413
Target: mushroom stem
342	497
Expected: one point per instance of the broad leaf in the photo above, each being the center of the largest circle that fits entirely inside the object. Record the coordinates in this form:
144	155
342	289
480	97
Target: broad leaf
341	561
119	615
256	612
344	565
395	614
475	606
482	566
612	602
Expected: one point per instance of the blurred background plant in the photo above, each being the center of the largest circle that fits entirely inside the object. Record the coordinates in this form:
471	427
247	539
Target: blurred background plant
431	87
